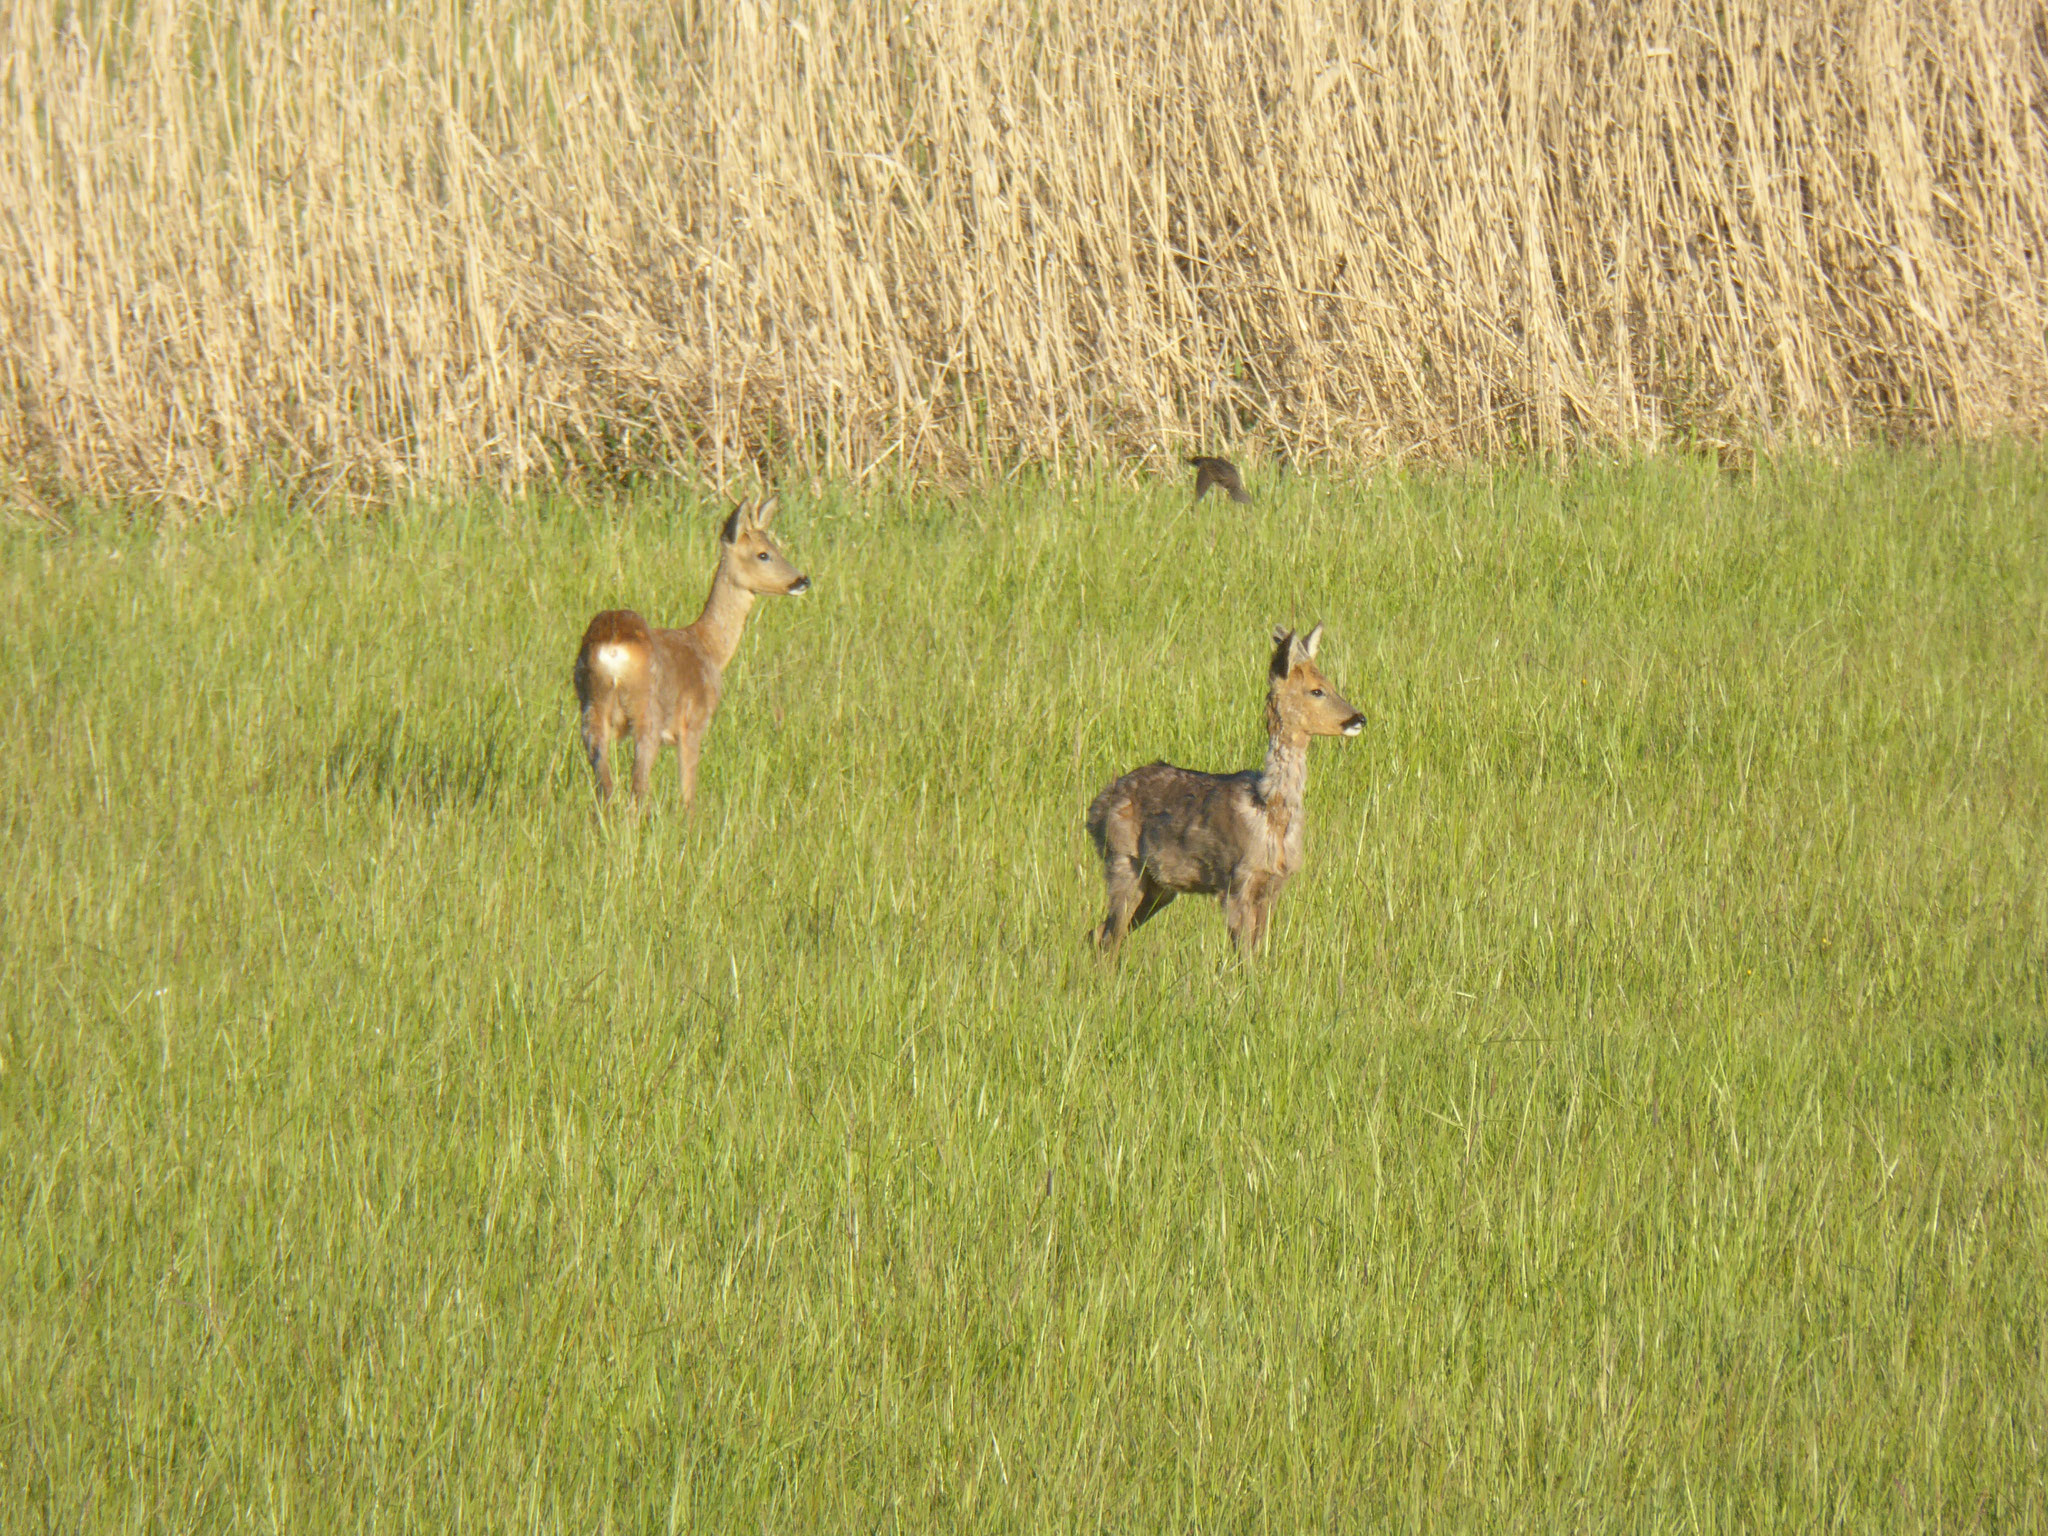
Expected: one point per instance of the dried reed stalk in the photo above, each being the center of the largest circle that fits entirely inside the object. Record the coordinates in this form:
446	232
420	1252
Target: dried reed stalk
368	249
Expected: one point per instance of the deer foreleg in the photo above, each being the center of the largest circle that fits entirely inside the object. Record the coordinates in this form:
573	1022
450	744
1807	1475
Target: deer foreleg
1245	908
688	746
646	748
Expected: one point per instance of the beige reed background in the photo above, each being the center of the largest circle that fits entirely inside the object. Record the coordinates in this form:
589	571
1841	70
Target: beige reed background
365	249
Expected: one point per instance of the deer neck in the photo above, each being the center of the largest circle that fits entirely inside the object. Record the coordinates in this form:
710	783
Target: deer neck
725	614
1286	773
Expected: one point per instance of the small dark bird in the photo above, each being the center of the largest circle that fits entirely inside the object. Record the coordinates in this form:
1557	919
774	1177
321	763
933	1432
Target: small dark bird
1218	472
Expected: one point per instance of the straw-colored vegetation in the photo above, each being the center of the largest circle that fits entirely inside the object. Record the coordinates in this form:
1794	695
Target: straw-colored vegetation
358	248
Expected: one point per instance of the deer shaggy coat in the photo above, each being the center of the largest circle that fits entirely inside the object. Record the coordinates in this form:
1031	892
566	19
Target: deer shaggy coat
1163	831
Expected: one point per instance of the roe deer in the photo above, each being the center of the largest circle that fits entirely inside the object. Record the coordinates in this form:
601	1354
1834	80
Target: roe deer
1163	831
661	685
1220	473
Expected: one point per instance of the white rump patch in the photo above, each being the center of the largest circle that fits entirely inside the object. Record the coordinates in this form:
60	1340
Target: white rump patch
610	659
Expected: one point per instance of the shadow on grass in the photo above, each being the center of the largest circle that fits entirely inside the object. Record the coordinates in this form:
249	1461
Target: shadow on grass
460	764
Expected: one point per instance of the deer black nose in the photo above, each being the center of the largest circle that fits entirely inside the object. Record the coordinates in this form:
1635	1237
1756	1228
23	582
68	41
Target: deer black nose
1353	726
800	586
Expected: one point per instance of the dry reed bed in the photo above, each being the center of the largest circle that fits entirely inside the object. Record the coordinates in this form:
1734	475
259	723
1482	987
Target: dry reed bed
369	249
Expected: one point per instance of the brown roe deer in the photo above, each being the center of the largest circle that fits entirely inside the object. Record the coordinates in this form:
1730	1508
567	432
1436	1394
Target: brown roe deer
1164	831
660	686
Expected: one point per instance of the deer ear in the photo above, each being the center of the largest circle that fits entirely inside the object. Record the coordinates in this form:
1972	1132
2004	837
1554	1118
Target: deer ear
1315	638
730	533
764	514
1283	650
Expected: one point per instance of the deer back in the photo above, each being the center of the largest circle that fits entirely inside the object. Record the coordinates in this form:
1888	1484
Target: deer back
1190	831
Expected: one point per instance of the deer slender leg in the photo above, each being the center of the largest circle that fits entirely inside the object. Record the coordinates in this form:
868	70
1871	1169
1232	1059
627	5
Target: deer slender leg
597	746
687	750
646	748
1262	908
1244	911
1126	892
1156	899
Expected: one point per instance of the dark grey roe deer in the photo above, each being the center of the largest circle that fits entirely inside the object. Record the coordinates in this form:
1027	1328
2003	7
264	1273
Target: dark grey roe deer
1164	831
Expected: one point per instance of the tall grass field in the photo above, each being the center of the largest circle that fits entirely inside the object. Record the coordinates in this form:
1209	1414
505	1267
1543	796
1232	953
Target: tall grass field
1638	1118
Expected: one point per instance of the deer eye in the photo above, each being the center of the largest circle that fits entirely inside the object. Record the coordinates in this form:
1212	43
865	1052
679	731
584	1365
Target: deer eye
1315	693
762	556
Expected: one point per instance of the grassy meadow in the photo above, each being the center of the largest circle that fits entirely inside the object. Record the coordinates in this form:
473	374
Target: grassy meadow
1637	1118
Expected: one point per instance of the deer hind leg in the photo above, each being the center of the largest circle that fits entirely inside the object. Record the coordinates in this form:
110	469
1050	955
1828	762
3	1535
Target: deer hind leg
1155	900
597	742
1126	895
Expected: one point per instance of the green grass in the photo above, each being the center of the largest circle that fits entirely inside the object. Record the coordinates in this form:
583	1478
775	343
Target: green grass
1637	1119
